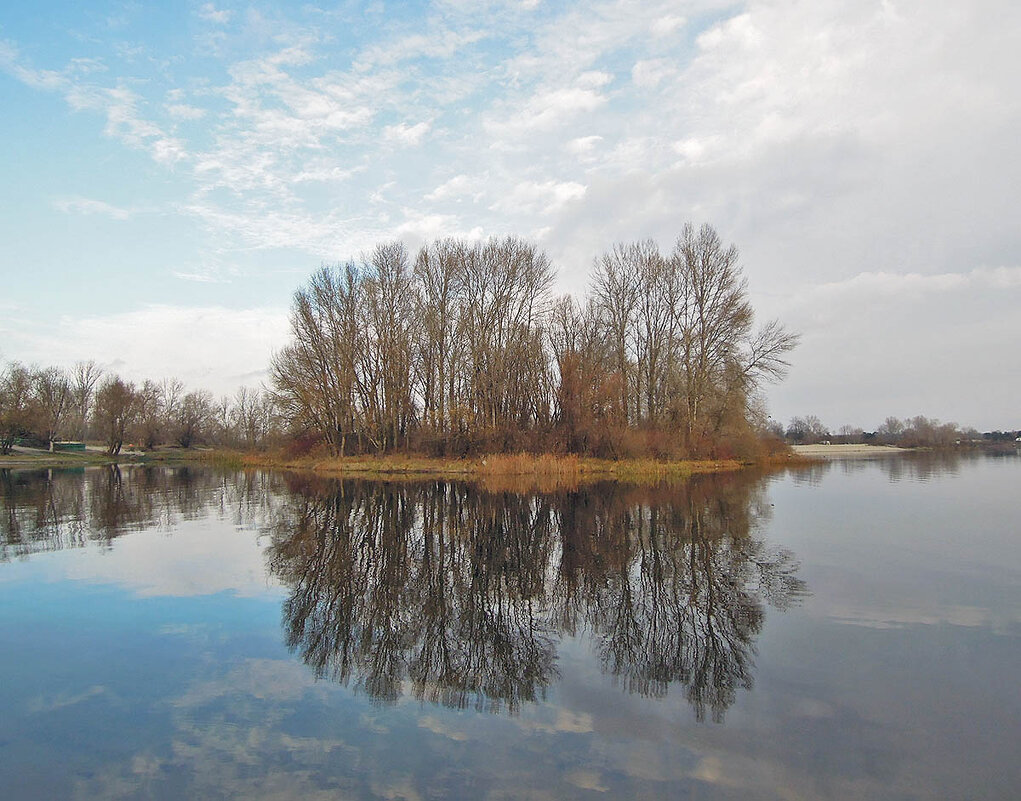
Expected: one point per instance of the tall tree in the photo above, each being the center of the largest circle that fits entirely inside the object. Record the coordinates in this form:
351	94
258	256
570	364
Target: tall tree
116	409
54	399
84	379
17	406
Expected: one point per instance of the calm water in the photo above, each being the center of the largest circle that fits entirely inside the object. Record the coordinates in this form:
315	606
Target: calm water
851	631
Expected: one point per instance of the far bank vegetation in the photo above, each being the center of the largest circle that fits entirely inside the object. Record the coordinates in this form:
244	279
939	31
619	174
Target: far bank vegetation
41	407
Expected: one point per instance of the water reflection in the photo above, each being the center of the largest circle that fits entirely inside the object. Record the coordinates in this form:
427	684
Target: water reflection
47	510
459	595
462	595
910	466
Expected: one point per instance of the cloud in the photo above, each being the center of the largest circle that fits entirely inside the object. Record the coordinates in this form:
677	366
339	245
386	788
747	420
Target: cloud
583	145
457	187
206	347
405	134
852	150
438	43
546	197
211	13
119	104
652	72
668	25
907	285
83	205
183	111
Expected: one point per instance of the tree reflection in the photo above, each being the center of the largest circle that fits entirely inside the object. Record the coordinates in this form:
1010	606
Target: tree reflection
47	510
464	594
460	595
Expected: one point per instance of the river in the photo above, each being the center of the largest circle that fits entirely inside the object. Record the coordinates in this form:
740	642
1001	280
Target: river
846	631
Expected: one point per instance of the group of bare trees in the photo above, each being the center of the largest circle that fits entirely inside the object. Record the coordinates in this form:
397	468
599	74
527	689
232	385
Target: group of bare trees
46	405
443	349
464	348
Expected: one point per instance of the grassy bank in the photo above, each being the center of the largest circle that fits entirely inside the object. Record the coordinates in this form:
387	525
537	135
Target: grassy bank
42	460
509	471
502	471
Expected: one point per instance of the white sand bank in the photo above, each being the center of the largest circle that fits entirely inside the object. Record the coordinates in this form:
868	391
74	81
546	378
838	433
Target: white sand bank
839	451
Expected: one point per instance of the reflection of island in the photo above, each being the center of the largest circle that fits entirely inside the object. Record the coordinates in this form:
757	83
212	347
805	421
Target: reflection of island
465	593
461	595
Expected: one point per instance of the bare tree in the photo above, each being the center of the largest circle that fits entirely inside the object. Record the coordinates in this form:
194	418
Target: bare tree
116	409
714	319
151	416
251	416
194	417
616	292
806	430
437	275
314	378
84	379
386	365
53	397
17	410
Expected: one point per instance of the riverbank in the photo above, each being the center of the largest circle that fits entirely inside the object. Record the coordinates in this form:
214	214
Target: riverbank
500	471
30	458
510	471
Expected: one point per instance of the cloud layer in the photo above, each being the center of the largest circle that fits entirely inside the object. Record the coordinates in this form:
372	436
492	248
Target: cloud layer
860	154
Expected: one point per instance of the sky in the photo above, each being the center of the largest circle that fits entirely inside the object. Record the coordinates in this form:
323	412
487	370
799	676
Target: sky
171	173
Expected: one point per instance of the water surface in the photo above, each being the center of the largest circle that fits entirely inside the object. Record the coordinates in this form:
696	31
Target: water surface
849	631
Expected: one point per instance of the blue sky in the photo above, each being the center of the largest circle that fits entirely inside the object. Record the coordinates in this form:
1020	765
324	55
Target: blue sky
172	173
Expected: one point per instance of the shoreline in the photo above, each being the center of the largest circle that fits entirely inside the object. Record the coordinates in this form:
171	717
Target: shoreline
513	470
510	471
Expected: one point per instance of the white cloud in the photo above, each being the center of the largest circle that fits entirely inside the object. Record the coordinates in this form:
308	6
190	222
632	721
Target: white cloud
905	285
183	111
211	13
206	347
668	25
583	145
405	134
652	72
457	187
124	120
439	43
854	151
83	205
546	197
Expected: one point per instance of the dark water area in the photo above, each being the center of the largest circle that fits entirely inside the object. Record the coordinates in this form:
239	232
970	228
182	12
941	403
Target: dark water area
851	630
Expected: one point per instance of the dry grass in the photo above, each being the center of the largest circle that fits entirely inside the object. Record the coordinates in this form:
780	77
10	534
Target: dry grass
510	472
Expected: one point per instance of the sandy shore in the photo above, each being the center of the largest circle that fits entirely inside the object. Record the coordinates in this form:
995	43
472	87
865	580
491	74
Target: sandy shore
840	451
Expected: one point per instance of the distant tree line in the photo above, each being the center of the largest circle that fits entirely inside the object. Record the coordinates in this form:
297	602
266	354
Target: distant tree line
463	348
41	406
912	432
